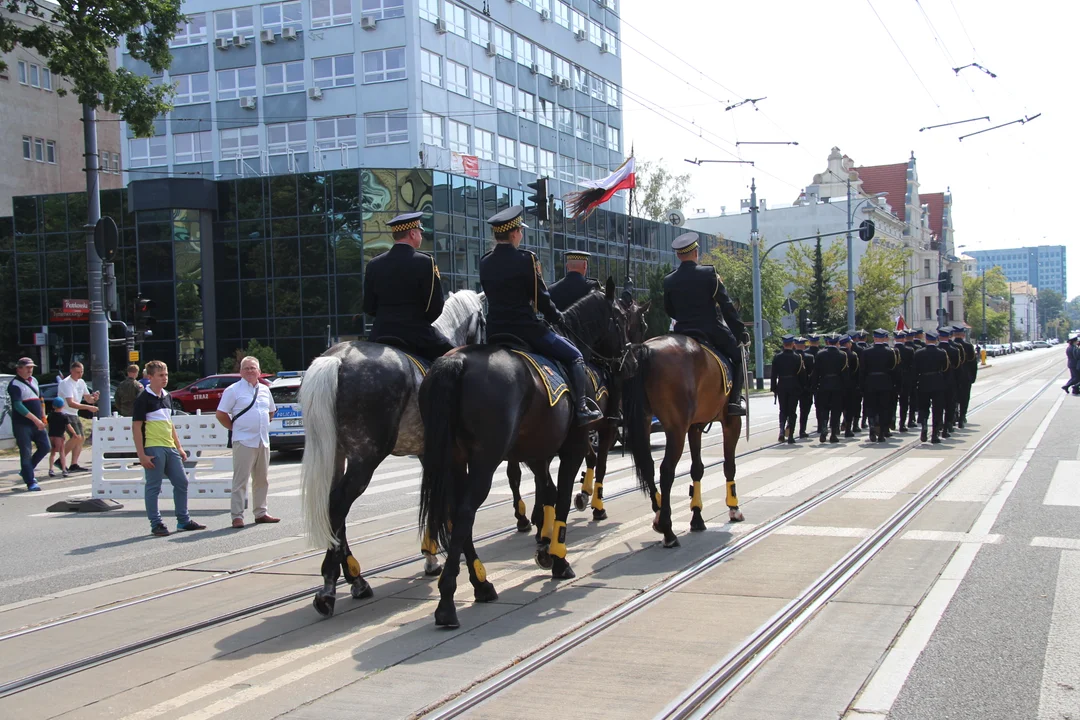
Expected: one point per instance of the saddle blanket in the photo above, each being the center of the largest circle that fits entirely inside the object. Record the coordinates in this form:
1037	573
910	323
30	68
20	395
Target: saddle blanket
555	380
723	362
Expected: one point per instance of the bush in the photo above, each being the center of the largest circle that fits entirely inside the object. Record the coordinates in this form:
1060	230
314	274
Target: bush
181	379
268	359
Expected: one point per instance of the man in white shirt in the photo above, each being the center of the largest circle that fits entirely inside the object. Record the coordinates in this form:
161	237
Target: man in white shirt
75	393
246	408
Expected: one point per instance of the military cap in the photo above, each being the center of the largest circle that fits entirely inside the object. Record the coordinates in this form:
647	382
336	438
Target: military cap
788	339
577	255
917	332
507	220
900	335
880	334
958	329
943	332
831	340
859	334
813	338
406	221
800	341
931	337
845	339
685	243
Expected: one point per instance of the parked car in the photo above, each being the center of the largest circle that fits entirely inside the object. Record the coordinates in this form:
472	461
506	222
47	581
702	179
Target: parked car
1040	344
205	394
287	425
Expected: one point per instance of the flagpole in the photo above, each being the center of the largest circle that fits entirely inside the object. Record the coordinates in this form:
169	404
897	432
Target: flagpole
629	230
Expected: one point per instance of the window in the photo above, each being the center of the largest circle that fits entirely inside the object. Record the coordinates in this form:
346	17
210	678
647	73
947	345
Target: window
544	61
334	133
528	158
433	129
485	144
381	9
507	155
596	87
35	76
325	13
562	67
504	42
562	14
950	317
581	79
192	147
613	138
27	147
927	314
283	78
479	30
609	38
584	172
547	113
240	142
429	10
386	128
46	79
431	67
459	136
191	89
192	32
578	21
384	65
526	105
547	164
144	152
504	98
455	19
566	169
524	51
116	163
926	270
333	71
50	152
599	135
457	78
237	21
481	87
280	139
596	33
566	121
581	129
23	73
541	5
276	16
103	166
612	93
235	83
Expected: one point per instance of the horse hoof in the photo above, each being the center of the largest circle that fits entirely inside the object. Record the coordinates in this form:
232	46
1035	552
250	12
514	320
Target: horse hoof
561	570
670	541
523	525
599	515
432	566
735	516
656	527
361	590
697	523
581	500
324	604
485	593
544	558
446	615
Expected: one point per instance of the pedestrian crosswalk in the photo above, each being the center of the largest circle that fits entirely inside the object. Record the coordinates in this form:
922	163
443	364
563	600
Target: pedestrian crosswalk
1064	485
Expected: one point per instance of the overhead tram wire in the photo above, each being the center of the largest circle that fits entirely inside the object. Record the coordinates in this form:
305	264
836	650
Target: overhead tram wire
903	55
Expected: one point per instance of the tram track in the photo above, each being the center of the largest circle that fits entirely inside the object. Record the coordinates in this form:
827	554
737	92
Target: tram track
67	669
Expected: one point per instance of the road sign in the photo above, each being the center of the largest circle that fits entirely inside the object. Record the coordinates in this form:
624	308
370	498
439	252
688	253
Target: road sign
866	230
790	306
106	239
133	356
40	339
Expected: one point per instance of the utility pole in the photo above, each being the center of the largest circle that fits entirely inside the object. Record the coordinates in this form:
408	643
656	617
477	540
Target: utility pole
985	339
99	326
759	338
850	265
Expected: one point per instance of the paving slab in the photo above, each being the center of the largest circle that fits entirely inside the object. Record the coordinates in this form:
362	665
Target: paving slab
946	516
901	574
846	512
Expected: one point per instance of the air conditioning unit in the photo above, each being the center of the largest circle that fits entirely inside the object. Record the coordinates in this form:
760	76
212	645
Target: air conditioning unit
580	35
368	22
288	33
267	36
223	43
440	26
249	102
605	48
535	68
491	49
545	15
239	41
556	79
565	83
314	93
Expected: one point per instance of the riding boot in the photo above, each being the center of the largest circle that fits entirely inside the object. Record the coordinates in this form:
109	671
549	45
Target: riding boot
735	404
585	414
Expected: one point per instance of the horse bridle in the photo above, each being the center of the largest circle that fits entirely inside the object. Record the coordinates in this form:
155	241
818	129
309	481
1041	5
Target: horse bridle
611	364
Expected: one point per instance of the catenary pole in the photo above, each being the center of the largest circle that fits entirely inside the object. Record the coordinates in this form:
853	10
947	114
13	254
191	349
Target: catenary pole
99	328
759	339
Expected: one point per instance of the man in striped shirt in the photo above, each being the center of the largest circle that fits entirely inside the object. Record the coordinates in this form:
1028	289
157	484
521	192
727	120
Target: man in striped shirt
159	450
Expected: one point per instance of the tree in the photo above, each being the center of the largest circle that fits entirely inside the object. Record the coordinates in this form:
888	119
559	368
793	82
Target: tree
658	190
997	321
1072	313
816	273
268	359
1051	309
77	39
881	286
657	318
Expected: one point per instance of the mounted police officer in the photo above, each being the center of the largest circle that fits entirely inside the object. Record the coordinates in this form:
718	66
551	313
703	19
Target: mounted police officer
931	364
907	379
875	375
576	284
806	398
514	286
403	292
829	384
787	382
695	298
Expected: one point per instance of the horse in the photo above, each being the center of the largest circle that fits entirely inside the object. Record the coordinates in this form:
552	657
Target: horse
485	404
360	405
681	383
602	440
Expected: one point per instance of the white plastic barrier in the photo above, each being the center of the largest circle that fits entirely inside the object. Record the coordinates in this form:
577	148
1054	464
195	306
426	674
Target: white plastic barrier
208	469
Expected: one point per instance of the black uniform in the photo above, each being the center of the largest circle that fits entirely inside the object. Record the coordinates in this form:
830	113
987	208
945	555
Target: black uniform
829	383
907	385
876	379
951	382
970	371
570	289
787	382
404	294
852	402
806	398
931	364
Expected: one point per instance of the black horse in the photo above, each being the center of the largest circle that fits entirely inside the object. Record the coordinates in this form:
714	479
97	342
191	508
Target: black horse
359	401
485	404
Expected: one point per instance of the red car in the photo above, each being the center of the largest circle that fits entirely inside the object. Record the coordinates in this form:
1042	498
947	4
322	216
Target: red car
205	394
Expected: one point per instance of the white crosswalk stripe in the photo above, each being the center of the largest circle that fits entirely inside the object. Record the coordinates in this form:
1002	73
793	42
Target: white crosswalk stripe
1058	694
806	477
1064	485
977	482
886	484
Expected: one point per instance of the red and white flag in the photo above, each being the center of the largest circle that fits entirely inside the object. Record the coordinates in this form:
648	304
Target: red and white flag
900	324
598	192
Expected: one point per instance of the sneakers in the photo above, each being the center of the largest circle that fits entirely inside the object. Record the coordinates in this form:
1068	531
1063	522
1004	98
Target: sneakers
65	473
33	487
159	530
76	468
190	525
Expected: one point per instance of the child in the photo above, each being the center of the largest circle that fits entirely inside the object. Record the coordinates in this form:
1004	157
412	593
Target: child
59	430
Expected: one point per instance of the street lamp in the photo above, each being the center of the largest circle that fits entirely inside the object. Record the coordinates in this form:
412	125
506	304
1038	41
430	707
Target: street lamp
850	260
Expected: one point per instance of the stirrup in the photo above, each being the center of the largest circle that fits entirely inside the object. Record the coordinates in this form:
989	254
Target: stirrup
736	408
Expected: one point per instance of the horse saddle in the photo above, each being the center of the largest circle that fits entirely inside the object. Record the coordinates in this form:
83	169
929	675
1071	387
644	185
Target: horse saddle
722	361
398	344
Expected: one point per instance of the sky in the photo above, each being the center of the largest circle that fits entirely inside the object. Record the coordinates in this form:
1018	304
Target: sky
865	76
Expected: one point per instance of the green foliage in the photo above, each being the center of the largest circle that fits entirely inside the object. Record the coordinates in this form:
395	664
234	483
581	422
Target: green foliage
78	40
1072	313
657	319
658	190
881	286
268	359
997	321
180	378
1051	308
817	275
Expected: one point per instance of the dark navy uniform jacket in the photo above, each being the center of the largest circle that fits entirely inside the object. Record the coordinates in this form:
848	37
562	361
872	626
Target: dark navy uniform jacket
808	364
830	368
571	288
788	372
955	355
931	363
516	292
875	368
404	294
695	298
971	361
907	366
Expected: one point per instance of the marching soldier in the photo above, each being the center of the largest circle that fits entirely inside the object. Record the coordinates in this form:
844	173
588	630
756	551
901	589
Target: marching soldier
930	364
859	345
969	369
953	352
829	383
695	298
918	340
806	398
852	397
815	345
875	373
907	380
576	284
787	382
403	292
515	290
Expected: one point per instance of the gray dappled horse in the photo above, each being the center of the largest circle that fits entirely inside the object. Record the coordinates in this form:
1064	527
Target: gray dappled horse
360	405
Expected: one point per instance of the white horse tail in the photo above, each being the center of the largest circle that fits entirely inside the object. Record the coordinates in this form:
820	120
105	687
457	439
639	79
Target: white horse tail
318	398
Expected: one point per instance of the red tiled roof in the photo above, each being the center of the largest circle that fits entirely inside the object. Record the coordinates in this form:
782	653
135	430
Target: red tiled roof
936	201
886	178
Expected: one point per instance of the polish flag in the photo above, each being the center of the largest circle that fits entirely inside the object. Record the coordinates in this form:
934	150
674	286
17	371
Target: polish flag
598	192
900	324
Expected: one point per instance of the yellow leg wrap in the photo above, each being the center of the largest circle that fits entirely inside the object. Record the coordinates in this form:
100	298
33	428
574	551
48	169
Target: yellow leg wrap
428	546
549	522
598	497
521	508
558	544
732	499
658	497
478	569
354	566
587	482
695	499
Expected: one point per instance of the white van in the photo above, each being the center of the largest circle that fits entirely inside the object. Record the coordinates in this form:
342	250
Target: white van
287	427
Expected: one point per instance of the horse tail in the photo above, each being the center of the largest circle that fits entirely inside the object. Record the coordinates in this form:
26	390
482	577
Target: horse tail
638	420
319	472
440	405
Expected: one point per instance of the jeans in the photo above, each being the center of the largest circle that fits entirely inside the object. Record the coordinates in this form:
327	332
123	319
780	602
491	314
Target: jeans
24	436
166	464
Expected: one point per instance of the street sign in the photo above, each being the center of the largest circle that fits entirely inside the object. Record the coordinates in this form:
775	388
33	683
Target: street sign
41	339
866	230
790	306
133	356
106	239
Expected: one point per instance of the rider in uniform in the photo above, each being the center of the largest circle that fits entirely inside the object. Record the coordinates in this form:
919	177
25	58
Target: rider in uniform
403	292
828	382
515	290
931	364
875	374
695	298
806	398
787	381
576	284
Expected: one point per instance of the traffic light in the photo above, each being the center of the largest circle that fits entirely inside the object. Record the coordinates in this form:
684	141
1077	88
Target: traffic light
951	286
539	200
144	321
943	281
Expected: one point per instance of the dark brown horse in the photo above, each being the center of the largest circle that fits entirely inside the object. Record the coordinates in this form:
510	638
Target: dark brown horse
683	385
